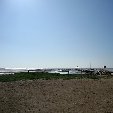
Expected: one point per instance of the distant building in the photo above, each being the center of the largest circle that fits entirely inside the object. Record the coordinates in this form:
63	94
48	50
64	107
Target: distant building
104	67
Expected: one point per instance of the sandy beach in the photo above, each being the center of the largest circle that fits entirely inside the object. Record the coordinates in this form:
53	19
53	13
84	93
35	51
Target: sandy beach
57	96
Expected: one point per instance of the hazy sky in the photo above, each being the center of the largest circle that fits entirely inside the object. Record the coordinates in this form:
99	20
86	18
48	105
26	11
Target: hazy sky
56	33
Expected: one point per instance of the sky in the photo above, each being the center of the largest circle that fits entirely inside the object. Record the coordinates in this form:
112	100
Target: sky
56	33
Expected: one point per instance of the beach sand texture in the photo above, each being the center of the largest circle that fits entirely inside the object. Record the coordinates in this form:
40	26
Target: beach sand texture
57	96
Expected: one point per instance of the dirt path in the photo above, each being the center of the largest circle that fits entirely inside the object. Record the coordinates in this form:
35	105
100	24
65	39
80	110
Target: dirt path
57	96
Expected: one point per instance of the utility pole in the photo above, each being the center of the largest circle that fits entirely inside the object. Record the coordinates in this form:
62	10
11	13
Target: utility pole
90	65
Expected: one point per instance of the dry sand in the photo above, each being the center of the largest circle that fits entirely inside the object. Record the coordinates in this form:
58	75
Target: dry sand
57	96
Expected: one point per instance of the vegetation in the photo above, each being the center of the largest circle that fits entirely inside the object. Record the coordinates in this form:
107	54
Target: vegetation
44	76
